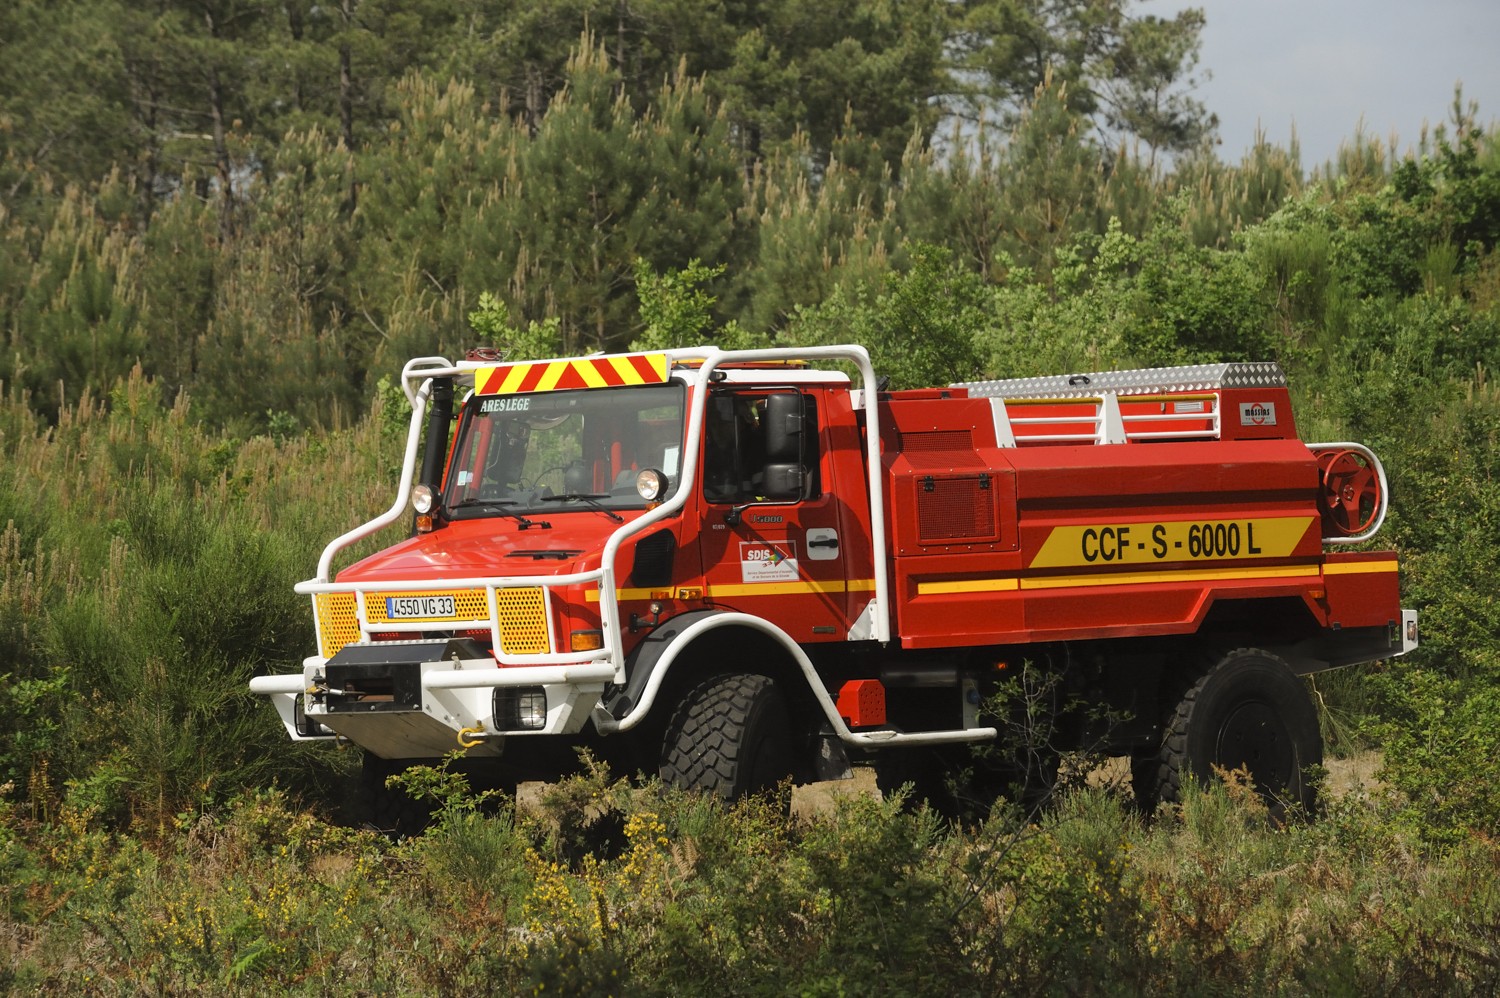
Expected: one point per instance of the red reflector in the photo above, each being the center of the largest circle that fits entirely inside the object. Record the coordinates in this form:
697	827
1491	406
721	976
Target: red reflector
862	703
480	635
386	636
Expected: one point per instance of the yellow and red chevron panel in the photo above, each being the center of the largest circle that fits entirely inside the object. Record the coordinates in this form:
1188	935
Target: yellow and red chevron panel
559	375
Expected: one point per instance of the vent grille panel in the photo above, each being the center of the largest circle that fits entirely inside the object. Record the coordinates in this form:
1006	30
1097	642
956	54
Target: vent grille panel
937	440
336	624
468	604
523	621
522	612
953	510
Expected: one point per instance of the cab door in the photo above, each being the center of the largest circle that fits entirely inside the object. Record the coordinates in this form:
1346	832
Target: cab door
771	539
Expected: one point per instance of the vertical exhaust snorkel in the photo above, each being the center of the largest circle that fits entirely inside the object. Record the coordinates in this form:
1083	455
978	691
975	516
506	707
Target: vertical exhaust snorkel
435	447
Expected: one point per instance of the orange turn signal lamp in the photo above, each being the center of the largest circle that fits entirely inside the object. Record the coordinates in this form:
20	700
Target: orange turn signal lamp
586	640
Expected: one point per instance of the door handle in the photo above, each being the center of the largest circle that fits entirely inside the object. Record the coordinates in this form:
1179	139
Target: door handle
824	542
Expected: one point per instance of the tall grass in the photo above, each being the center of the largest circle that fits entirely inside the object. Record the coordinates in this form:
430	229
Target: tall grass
146	573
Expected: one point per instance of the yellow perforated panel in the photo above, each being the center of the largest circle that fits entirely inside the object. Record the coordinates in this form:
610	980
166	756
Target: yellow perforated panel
523	621
523	617
468	604
336	623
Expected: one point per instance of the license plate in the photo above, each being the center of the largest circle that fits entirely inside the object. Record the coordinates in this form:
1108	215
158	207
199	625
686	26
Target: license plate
419	607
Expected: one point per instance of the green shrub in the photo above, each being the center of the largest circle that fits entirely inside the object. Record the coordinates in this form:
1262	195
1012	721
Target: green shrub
868	898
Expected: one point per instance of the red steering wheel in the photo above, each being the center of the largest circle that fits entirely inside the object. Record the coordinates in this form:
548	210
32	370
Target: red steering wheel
1351	491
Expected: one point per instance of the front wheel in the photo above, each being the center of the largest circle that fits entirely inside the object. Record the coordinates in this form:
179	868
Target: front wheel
731	735
1250	711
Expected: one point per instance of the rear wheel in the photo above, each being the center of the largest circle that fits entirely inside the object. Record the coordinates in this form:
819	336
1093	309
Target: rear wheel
731	735
1247	711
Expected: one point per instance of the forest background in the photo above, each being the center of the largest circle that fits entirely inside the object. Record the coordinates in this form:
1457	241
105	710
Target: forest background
226	223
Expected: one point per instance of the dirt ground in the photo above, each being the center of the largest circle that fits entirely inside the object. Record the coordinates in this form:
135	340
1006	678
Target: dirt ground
1355	775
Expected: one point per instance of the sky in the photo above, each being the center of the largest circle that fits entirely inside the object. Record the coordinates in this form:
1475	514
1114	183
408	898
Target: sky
1323	66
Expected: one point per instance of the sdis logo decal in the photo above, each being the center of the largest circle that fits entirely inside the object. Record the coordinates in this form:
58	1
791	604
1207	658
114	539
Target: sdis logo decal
768	561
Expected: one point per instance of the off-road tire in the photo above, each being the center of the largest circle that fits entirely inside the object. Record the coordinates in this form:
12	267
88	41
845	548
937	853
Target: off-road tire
731	735
391	810
1248	710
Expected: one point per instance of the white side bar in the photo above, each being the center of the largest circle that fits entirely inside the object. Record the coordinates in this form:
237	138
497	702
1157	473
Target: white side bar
421	368
1111	423
290	683
1108	420
490	678
607	725
1004	435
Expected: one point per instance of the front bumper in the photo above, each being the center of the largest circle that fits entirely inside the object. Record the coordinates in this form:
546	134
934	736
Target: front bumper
420	699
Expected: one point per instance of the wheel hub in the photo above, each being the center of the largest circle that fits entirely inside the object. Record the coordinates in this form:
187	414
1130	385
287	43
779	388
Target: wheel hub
1254	737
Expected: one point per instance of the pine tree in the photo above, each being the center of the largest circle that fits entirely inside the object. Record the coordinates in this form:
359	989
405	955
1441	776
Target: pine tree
1052	179
816	229
1130	75
600	187
64	99
957	199
427	221
74	326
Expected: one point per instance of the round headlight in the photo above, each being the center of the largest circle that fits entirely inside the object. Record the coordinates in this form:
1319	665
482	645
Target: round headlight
422	499
650	484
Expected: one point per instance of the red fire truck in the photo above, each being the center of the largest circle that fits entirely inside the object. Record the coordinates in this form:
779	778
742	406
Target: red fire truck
735	567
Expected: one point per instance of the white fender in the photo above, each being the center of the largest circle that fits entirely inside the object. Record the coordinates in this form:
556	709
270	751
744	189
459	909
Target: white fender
868	739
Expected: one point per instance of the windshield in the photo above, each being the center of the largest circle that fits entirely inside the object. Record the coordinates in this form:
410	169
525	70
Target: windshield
530	453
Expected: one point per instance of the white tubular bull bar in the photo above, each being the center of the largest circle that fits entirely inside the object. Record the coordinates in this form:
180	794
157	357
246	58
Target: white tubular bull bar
291	684
556	666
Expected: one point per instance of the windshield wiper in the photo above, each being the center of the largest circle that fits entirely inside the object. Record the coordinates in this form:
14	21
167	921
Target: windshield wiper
590	498
498	506
476	503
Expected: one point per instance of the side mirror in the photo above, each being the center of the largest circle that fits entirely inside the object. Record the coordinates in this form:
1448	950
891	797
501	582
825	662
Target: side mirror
785	482
783	428
785	475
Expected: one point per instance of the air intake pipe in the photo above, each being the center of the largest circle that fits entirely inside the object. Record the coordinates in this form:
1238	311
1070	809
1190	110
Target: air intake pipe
435	447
